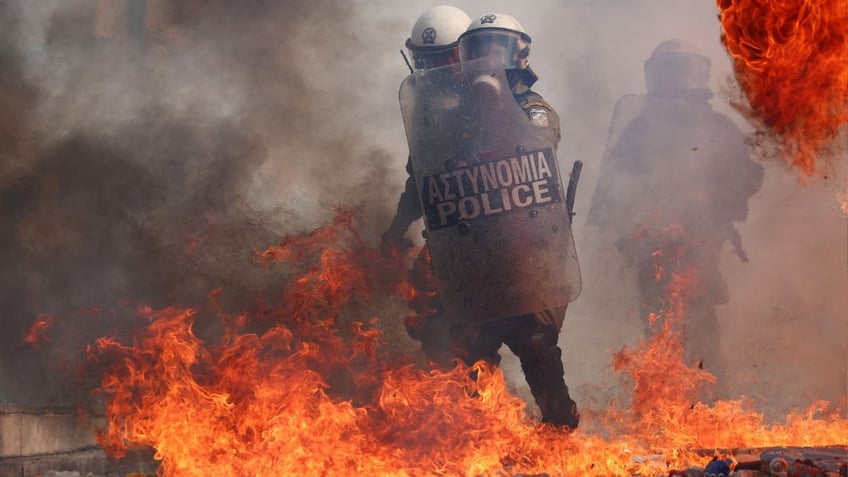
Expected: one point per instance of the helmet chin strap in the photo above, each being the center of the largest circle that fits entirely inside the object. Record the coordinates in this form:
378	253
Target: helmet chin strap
527	77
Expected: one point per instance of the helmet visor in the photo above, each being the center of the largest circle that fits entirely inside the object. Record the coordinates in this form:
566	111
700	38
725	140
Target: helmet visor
429	58
500	46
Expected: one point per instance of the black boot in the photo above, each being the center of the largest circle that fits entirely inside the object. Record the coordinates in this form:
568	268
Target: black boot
559	411
543	370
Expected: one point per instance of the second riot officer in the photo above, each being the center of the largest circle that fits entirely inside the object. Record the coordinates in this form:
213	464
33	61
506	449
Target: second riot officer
432	45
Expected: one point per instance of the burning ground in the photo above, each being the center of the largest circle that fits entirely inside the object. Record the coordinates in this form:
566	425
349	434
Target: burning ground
311	395
156	158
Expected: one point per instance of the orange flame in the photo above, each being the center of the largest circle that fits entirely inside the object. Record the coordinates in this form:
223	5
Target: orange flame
37	332
312	395
791	59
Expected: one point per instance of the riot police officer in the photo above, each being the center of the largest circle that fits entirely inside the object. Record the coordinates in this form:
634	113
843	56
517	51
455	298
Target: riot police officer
431	44
675	178
482	233
532	337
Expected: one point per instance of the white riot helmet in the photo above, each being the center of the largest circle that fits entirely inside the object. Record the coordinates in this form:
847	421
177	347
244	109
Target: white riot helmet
498	36
433	41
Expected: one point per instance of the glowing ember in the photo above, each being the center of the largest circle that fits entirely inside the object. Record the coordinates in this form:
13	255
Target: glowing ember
311	395
37	333
791	59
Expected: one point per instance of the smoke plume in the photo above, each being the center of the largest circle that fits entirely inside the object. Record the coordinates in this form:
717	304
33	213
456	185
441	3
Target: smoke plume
151	147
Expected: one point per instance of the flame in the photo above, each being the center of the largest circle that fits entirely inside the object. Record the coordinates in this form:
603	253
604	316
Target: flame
424	291
316	394
791	59
37	332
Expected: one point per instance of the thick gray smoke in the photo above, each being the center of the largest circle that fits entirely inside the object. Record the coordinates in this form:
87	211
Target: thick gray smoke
148	146
151	147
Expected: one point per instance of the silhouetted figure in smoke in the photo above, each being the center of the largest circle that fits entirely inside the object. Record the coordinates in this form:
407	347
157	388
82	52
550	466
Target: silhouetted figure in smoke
675	177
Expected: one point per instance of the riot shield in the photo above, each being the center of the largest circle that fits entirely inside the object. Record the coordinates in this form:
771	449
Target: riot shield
491	192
